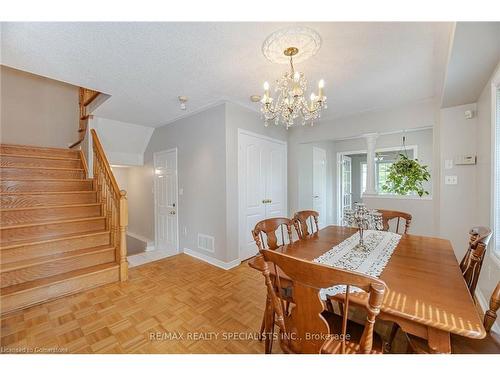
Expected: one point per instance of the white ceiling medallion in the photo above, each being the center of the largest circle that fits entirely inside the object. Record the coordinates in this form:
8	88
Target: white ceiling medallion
289	102
306	40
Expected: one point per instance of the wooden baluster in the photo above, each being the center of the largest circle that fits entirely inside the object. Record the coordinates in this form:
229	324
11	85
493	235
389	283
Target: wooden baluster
123	235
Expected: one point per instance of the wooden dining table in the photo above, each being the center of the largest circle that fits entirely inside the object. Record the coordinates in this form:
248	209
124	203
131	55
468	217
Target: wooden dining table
427	295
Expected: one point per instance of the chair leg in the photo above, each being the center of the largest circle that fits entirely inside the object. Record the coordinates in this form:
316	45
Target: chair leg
262	327
263	324
268	325
394	332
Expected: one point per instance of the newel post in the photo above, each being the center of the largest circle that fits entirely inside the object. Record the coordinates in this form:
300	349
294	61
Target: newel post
123	235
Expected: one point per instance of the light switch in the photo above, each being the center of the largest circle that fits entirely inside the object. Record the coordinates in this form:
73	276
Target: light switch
181	191
450	180
448	164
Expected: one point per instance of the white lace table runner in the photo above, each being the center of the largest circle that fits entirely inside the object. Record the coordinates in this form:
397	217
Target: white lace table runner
380	246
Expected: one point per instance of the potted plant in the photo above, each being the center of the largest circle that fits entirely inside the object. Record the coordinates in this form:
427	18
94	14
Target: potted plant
406	176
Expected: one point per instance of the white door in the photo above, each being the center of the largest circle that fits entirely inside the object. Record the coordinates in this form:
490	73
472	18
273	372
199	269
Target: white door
346	184
319	184
165	189
262	186
275	191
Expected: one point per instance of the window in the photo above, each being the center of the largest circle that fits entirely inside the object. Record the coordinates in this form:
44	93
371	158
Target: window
496	182
381	176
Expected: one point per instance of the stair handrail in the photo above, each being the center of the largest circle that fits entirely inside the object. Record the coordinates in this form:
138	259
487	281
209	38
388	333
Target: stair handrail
85	98
114	202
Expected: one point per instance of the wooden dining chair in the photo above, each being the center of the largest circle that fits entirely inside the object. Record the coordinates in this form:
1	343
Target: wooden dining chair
398	216
309	327
265	237
302	220
264	233
472	262
464	345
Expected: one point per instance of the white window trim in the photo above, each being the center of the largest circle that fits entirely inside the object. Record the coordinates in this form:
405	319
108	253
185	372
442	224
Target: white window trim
495	85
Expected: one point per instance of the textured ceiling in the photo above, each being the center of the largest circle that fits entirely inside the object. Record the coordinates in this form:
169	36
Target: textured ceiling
145	66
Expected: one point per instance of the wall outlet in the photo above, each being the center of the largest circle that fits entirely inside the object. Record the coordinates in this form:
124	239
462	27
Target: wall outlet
450	180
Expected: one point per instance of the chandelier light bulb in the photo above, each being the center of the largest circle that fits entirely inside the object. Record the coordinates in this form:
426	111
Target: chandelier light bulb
266	86
296	76
313	97
321	84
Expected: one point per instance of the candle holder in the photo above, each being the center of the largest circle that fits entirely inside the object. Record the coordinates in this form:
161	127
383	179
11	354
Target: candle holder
363	219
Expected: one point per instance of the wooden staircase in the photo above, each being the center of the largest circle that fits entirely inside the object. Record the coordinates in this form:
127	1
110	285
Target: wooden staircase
60	232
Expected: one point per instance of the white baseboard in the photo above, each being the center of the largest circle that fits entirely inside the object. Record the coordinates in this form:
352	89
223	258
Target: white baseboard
483	302
150	244
213	261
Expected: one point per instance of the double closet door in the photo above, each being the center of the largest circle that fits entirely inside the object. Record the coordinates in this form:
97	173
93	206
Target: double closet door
262	181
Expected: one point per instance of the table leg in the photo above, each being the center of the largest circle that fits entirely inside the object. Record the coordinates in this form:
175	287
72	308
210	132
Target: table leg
438	340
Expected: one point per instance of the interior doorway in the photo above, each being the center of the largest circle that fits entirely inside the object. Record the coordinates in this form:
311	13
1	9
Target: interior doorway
352	174
166	201
262	185
319	184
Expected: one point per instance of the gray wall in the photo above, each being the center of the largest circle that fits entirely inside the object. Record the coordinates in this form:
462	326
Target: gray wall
490	274
36	110
207	145
200	142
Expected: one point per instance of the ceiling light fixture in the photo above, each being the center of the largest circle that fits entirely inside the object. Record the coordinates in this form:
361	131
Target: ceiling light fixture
290	102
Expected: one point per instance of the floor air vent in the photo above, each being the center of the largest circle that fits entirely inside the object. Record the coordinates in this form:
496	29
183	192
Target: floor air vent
206	242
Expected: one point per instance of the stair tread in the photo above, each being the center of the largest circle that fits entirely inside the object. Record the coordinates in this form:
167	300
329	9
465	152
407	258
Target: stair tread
6	267
13	289
49	207
37	157
45	239
25	225
53	239
48	192
39	147
38	168
47	179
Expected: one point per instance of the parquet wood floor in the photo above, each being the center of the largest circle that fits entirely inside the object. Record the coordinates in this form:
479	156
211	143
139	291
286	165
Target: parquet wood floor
175	298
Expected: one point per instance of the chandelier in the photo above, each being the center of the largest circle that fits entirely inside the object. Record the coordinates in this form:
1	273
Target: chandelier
290	103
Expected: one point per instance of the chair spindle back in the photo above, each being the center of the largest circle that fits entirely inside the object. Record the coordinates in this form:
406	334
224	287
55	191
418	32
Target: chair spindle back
472	262
268	227
388	215
300	221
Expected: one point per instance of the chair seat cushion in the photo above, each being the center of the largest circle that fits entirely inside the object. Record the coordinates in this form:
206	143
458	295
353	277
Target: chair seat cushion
354	330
